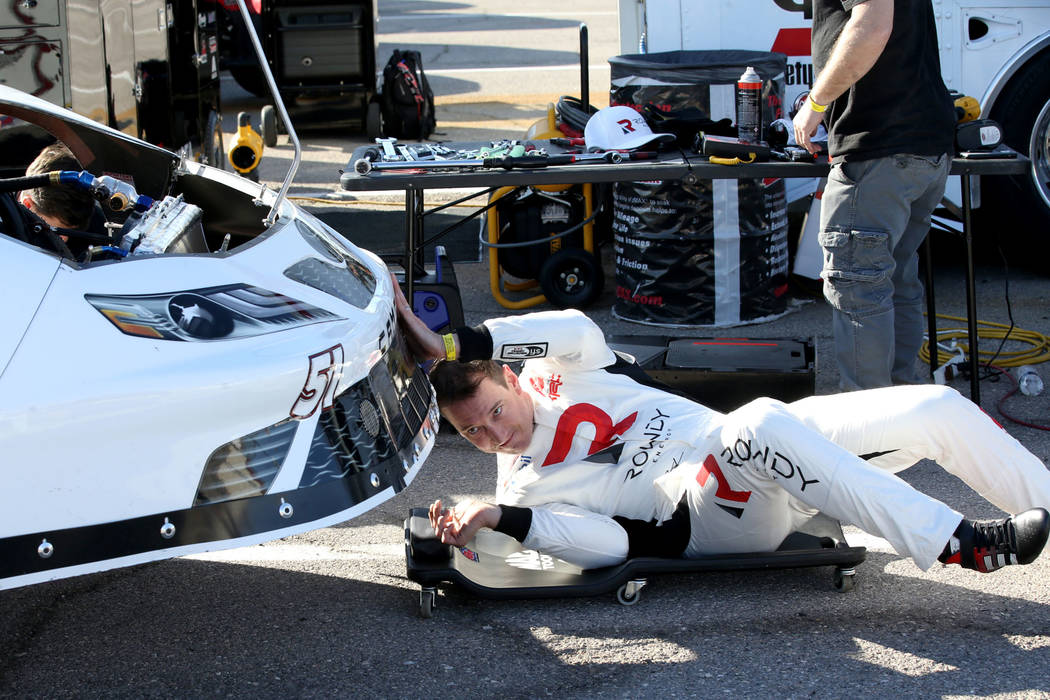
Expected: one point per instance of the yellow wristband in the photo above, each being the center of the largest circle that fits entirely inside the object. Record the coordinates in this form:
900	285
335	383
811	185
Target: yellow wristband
815	106
450	346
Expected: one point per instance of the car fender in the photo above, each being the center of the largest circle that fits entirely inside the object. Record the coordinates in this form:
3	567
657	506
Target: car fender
27	273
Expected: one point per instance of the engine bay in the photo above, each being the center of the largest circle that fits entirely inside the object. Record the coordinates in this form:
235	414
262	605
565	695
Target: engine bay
146	201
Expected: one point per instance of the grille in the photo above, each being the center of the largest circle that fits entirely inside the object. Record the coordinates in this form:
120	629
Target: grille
351	438
342	445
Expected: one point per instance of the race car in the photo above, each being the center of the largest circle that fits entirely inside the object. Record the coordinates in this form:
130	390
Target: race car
213	367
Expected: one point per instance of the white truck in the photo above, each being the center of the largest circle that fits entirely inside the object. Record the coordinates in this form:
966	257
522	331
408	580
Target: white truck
997	51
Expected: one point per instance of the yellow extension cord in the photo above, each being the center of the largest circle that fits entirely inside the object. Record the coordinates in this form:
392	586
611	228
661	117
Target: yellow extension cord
1038	352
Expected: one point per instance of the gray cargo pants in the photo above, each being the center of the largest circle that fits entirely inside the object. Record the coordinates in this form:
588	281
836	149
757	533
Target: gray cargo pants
874	215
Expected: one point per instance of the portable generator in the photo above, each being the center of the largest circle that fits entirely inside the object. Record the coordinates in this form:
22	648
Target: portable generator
544	236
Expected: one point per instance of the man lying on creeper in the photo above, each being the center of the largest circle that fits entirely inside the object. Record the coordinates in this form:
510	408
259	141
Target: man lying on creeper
596	464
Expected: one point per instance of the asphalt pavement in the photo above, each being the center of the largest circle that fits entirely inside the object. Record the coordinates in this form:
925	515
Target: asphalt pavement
330	613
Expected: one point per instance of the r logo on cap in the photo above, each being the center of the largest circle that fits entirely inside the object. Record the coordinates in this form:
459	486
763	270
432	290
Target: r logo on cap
620	128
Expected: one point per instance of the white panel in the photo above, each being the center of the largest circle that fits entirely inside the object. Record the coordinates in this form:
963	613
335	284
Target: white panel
702	25
630	14
727	252
664	25
723	102
809	258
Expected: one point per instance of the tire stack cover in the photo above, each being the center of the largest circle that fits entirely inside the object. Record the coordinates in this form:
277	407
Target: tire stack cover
712	253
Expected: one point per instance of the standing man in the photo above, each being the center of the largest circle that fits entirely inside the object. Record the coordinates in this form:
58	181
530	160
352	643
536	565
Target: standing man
891	128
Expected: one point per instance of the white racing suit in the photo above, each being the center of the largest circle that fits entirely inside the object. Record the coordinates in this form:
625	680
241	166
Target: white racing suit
607	445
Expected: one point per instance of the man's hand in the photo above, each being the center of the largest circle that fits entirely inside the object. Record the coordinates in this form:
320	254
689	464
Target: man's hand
424	343
458	525
860	44
806	123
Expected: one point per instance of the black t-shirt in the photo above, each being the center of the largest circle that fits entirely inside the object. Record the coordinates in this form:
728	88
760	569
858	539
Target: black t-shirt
901	105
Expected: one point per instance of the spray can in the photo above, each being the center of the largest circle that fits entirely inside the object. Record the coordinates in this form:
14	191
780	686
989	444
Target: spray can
749	106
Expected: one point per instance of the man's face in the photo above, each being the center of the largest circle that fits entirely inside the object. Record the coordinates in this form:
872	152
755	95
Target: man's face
497	418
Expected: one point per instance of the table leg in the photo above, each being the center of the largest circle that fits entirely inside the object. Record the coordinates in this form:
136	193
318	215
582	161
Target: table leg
413	239
931	307
971	294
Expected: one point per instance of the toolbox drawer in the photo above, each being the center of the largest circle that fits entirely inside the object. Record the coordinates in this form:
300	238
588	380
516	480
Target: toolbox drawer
29	13
321	42
35	67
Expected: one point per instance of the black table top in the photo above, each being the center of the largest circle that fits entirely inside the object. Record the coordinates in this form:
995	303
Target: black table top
668	166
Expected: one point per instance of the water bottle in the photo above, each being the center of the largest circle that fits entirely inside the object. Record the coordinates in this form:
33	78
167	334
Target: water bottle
749	106
1029	381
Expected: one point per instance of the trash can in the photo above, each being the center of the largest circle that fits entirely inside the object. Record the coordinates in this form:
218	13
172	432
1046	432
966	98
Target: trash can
713	253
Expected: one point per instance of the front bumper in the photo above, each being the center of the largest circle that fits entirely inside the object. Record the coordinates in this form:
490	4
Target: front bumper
368	446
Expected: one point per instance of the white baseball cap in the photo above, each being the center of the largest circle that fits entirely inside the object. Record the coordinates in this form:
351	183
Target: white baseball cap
619	128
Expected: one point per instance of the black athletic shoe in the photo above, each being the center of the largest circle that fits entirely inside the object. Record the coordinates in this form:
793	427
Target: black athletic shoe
988	545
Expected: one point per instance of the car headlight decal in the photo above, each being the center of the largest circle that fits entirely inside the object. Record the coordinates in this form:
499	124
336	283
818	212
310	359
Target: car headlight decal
246	466
126	321
212	313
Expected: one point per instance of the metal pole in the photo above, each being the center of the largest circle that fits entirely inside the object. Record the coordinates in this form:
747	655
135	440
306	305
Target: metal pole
931	307
413	236
279	104
585	81
971	295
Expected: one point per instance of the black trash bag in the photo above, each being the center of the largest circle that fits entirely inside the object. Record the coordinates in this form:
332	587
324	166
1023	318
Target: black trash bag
675	80
677	264
713	252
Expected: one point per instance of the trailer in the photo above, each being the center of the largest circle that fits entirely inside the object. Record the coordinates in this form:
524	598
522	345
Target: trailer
149	68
